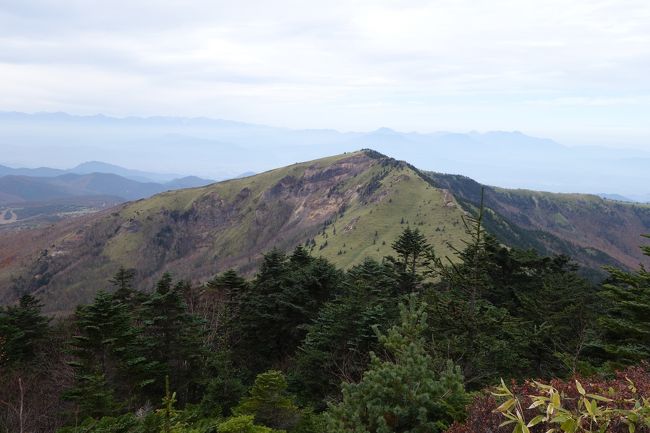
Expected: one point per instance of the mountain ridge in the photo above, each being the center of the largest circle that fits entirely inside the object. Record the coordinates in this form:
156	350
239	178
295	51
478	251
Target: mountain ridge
213	148
344	208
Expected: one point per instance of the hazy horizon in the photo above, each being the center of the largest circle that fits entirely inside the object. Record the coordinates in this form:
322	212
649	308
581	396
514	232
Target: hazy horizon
414	80
340	130
219	149
574	72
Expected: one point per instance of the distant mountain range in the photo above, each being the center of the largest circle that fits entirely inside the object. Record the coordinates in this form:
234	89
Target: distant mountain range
33	196
19	189
221	149
345	208
18	185
137	175
91	167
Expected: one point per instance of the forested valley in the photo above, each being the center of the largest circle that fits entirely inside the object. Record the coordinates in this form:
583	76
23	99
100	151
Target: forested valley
493	339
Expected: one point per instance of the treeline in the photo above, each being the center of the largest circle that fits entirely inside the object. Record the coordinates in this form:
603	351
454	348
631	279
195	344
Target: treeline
401	345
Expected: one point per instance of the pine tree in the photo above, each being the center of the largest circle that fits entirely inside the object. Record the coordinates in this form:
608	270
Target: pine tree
556	310
230	283
406	392
220	309
269	402
225	386
483	339
411	247
260	319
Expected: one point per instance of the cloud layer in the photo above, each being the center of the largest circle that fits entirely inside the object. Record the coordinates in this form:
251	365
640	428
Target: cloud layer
572	70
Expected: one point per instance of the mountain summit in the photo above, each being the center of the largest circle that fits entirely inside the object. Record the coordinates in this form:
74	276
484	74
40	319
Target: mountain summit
345	208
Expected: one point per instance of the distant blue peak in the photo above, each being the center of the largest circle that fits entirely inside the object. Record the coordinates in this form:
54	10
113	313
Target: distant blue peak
384	130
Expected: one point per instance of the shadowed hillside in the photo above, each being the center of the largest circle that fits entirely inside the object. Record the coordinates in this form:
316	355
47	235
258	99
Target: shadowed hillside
590	229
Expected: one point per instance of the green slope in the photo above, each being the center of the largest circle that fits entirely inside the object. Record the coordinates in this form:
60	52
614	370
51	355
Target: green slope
344	207
593	231
402	198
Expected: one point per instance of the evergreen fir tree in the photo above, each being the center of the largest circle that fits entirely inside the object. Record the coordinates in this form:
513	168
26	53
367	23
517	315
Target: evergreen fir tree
106	357
122	281
625	321
286	294
171	339
557	310
483	339
414	254
337	343
230	283
22	329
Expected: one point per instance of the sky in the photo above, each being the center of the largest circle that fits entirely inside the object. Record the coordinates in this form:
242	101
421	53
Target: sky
576	71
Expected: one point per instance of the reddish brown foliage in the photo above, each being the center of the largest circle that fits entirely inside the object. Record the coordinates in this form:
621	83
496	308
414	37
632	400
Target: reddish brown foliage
481	417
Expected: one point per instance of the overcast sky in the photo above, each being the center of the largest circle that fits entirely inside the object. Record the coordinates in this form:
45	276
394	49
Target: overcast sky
574	70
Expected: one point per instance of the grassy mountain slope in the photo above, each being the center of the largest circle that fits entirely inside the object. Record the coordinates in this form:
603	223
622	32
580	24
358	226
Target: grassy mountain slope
590	229
345	207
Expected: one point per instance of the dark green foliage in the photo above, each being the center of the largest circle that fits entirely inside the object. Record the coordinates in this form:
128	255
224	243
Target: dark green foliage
414	253
337	344
218	306
123	283
558	317
500	312
285	295
172	339
107	357
243	424
407	391
489	312
224	385
230	283
122	424
128	342
471	331
550	307
484	340
22	329
269	403
94	395
625	318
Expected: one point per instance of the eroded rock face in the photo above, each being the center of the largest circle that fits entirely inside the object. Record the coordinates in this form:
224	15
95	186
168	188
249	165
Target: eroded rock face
195	233
220	226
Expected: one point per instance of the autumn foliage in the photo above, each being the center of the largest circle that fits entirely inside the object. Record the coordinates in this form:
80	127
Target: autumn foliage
628	388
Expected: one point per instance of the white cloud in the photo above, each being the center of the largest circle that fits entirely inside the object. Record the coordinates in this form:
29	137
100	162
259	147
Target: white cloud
348	64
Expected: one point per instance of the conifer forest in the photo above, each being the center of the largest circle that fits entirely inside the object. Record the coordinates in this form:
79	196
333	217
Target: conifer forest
492	339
